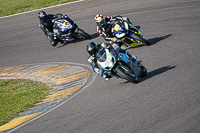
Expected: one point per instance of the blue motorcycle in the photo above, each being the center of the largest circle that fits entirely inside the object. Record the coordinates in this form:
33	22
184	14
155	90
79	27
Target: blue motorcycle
128	34
119	64
65	30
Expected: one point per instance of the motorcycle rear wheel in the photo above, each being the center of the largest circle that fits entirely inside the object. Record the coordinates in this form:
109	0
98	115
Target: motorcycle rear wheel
139	38
83	34
122	73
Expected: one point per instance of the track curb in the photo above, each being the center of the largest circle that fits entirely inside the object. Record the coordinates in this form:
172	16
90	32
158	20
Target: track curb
66	79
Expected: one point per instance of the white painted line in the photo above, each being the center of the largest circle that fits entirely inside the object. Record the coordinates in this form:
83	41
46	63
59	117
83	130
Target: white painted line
42	9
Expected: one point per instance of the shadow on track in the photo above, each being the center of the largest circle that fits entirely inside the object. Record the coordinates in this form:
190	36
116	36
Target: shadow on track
95	35
157	72
154	73
75	41
153	41
158	39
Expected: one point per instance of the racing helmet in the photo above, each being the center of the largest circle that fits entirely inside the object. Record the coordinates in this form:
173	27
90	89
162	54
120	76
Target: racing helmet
99	19
42	15
91	48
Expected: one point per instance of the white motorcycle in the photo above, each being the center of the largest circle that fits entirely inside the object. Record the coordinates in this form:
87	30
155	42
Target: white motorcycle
117	63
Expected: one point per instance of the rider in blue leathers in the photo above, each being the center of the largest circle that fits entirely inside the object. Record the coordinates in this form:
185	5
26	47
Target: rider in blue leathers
46	24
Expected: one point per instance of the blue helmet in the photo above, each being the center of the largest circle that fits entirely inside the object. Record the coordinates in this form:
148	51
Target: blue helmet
42	16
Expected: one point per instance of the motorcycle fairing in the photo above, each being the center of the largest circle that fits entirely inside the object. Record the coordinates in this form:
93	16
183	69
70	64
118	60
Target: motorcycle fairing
120	29
124	57
62	25
108	60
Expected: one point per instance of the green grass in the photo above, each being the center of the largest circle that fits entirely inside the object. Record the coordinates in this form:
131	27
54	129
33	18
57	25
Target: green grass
17	96
18	6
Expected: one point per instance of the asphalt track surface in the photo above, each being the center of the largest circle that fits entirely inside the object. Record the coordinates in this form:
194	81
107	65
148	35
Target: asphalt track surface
166	101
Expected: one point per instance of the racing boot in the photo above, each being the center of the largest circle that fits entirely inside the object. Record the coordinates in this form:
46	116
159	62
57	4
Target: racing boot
106	76
53	41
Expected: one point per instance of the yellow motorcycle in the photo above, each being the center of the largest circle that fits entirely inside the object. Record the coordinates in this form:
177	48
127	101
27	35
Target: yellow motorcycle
128	34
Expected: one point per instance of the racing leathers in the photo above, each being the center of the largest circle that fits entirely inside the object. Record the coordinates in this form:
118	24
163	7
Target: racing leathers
105	30
47	28
92	59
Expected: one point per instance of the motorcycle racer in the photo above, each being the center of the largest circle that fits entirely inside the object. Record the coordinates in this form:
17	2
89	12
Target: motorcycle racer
46	24
104	26
93	49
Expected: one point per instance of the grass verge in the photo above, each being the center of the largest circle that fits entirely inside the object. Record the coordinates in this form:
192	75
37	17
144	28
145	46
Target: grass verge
17	96
19	6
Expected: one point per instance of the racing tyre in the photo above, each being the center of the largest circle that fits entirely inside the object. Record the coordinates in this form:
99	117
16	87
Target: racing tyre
139	38
52	41
83	34
122	73
143	71
53	44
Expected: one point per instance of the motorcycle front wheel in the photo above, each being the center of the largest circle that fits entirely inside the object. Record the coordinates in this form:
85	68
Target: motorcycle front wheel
143	71
139	38
123	74
83	34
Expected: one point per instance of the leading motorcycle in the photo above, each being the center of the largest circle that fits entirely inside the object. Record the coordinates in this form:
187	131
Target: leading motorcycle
65	30
119	64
